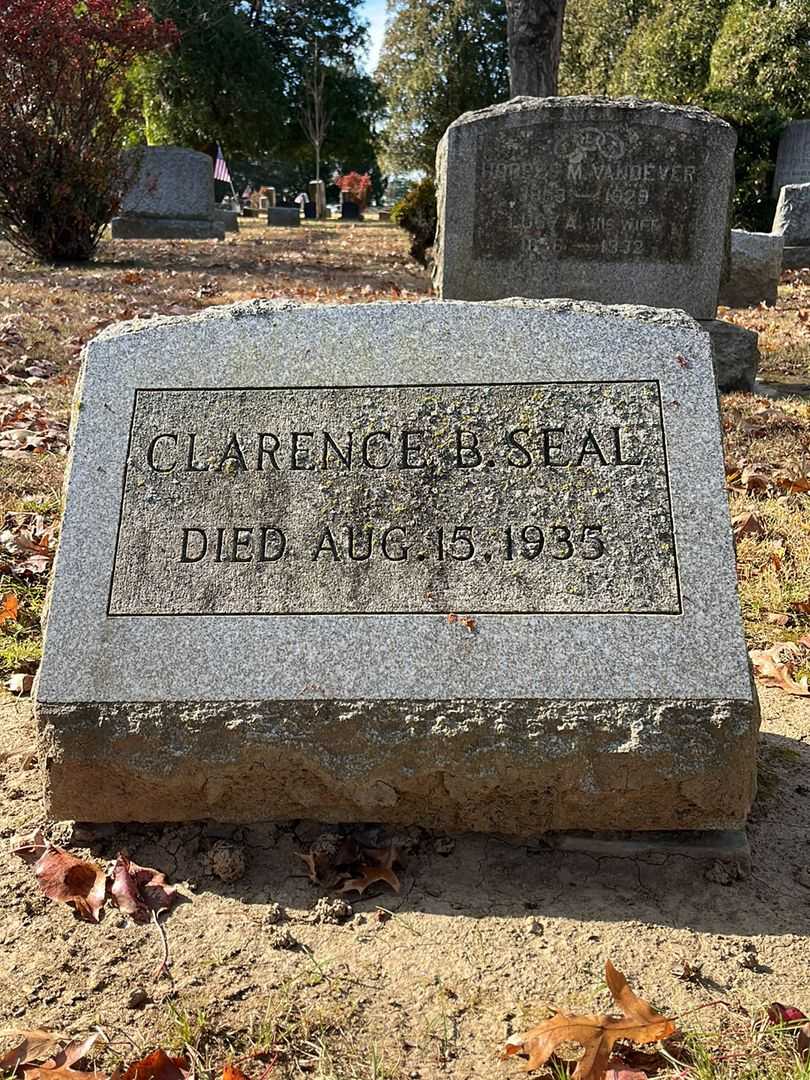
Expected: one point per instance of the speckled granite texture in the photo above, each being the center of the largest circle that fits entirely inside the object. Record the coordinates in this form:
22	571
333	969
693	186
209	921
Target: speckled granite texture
616	200
556	699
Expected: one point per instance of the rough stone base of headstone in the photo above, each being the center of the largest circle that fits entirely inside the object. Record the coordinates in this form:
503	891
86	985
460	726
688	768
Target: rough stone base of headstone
729	847
229	220
735	354
138	228
236	762
285	216
605	686
796	257
756	263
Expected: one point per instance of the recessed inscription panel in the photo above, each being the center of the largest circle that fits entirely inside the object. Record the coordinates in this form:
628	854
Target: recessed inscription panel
516	498
608	192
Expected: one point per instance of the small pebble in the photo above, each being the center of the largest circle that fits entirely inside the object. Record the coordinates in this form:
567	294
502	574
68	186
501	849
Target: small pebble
137	999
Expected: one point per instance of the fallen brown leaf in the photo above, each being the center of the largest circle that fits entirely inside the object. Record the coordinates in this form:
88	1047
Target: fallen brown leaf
139	891
35	1046
40	1057
596	1033
156	1066
64	878
747	525
777	666
369	875
9	606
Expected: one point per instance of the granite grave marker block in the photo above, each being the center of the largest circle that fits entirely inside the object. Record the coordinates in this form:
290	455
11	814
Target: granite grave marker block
793	156
477	574
172	197
620	201
792	222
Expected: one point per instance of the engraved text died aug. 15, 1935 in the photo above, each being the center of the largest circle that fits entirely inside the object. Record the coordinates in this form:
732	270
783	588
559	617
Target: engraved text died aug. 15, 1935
513	498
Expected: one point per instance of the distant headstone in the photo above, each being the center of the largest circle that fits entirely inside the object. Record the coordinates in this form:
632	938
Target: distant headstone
284	216
310	211
480	577
756	263
172	197
793	156
735	354
229	218
792	223
621	201
349	211
317	195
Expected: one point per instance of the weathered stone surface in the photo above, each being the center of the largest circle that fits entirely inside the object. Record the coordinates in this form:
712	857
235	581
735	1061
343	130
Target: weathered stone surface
137	228
539	632
229	219
793	156
317	195
792	218
284	215
621	201
796	257
172	197
171	182
756	263
735	354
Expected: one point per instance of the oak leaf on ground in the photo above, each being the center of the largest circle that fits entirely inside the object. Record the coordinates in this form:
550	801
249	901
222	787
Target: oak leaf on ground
596	1033
65	878
9	606
377	865
139	891
40	1056
156	1066
777	667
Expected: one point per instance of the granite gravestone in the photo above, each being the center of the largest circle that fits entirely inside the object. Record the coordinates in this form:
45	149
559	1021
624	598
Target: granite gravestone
756	264
172	197
284	216
317	195
793	156
477	575
792	223
620	201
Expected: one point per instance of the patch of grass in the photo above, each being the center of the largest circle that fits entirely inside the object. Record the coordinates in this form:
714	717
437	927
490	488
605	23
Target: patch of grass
773	568
21	638
752	1051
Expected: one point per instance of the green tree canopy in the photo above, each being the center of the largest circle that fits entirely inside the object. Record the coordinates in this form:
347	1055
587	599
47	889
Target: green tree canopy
746	60
440	58
238	77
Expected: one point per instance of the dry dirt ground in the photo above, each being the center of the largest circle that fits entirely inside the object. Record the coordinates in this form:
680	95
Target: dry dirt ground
486	933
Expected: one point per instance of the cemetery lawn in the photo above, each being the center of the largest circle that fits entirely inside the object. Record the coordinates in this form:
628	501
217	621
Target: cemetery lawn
485	933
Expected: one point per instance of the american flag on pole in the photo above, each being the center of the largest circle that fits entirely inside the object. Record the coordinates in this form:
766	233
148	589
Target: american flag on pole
220	167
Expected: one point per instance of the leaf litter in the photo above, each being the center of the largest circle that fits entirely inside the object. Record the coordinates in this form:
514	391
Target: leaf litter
597	1033
137	891
340	862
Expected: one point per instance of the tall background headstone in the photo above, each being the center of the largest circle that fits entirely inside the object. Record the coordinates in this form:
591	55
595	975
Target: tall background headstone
792	223
317	195
793	156
172	197
620	201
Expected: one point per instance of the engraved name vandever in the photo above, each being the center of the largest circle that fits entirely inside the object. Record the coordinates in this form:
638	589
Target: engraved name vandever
512	498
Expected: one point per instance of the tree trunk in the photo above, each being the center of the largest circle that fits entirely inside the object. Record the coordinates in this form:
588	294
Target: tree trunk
535	35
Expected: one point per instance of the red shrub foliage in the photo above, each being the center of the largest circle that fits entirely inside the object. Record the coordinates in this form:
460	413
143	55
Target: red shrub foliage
62	113
355	186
